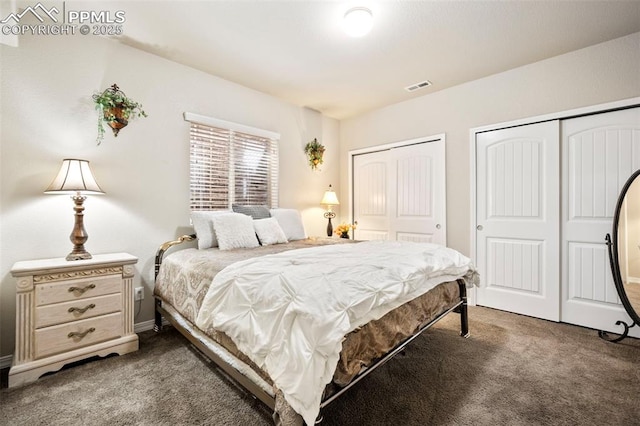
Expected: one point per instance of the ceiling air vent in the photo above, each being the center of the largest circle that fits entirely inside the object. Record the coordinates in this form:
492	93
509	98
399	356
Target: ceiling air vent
417	86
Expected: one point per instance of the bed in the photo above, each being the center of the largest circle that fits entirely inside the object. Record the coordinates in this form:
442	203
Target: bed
298	323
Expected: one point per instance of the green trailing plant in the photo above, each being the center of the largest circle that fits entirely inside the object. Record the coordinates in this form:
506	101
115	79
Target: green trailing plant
115	110
315	151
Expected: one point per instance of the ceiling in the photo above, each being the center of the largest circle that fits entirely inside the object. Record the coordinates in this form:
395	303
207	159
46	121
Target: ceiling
297	51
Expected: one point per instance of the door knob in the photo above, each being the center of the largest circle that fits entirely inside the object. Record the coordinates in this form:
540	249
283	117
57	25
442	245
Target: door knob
438	226
479	228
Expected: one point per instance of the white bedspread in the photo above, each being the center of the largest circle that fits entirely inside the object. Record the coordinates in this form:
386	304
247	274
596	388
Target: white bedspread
290	311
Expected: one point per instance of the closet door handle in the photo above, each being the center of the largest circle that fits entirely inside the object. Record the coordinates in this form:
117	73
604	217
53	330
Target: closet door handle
479	228
438	226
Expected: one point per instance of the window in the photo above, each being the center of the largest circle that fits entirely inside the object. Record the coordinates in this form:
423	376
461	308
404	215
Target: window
231	164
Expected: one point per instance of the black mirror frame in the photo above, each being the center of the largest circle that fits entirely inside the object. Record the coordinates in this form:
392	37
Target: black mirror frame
614	261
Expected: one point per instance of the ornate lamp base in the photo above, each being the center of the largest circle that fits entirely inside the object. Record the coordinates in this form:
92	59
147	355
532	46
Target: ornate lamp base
329	215
78	236
79	256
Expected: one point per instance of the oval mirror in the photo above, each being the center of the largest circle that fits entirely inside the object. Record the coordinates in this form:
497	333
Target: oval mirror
624	252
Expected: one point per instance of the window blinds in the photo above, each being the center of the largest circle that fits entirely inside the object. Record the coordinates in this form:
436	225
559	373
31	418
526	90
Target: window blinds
231	167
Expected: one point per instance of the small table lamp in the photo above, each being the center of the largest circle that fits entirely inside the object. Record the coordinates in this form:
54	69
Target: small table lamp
330	199
75	178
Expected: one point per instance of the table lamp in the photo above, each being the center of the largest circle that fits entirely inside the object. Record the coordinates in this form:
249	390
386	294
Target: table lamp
75	178
330	199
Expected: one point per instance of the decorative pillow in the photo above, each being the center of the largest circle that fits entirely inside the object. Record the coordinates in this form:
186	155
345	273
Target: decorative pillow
291	223
234	230
269	231
203	226
256	212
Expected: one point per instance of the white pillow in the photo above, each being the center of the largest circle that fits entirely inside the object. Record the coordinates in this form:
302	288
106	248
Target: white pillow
291	223
203	226
269	231
234	230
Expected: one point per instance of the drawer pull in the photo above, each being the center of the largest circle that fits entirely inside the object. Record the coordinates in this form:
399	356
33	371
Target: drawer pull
81	289
82	310
80	335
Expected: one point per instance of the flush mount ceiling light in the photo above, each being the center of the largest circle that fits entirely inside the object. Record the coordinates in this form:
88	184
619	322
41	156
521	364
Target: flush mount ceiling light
357	21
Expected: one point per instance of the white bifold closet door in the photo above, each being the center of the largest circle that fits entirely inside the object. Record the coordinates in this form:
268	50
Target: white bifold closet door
599	153
518	215
400	193
545	198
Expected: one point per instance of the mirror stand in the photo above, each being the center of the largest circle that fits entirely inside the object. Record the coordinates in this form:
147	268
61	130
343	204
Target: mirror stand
614	267
612	338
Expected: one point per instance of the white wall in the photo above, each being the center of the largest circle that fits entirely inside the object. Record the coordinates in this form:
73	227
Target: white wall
46	115
603	73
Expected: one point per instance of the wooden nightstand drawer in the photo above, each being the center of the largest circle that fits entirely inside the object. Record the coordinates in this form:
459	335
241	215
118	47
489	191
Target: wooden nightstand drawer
83	288
77	334
60	313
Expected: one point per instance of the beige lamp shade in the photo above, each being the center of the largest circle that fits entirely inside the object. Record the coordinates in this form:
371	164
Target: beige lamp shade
330	198
74	176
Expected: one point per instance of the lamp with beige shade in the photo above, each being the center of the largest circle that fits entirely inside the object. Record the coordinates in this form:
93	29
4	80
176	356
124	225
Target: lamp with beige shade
330	199
75	178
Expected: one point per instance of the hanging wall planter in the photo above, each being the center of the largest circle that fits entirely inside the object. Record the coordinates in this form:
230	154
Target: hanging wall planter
115	110
314	151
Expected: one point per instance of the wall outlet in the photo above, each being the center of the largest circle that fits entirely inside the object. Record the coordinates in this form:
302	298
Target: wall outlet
138	293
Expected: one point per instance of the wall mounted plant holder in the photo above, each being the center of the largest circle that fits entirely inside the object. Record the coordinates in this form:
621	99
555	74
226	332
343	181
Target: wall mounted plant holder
314	151
115	110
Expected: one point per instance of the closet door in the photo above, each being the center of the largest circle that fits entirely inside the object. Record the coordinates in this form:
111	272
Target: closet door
370	189
419	206
400	193
517	218
599	153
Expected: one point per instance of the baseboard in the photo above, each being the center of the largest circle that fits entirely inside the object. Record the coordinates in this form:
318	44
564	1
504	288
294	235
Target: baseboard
5	361
143	326
147	325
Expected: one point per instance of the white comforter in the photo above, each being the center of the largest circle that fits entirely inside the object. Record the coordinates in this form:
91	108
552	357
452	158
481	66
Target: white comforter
290	311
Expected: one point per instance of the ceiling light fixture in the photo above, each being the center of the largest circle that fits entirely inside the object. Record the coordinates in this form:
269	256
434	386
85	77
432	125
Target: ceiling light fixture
358	21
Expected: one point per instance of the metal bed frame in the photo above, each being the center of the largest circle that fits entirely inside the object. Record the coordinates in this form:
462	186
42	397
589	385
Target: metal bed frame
258	392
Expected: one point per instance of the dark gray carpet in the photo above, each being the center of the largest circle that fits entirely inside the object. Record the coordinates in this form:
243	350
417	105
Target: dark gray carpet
513	370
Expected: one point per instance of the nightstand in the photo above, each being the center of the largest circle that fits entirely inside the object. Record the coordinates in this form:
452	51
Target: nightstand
71	310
